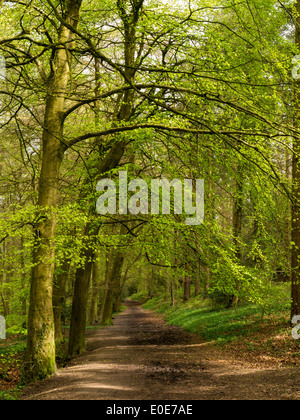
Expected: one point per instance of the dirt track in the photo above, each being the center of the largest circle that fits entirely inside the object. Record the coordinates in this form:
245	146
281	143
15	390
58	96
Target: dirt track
141	358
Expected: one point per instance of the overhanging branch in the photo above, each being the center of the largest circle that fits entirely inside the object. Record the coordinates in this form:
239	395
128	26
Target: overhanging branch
123	129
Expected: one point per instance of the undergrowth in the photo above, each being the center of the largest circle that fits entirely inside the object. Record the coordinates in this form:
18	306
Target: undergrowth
201	316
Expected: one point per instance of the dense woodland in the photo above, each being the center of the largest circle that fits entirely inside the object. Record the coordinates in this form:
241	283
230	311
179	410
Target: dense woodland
176	89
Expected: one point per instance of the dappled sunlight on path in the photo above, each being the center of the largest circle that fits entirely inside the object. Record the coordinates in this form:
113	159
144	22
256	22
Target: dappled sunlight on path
140	354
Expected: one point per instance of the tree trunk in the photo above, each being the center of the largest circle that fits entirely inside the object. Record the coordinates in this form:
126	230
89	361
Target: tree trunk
237	214
237	227
113	281
205	279
40	353
172	289
118	298
24	279
59	289
187	288
151	284
295	234
4	280
94	319
108	256
197	284
80	298
114	284
167	288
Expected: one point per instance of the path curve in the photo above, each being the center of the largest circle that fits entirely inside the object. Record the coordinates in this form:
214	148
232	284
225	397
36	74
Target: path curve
142	358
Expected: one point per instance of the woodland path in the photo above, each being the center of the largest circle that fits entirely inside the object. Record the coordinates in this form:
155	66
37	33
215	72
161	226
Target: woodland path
142	358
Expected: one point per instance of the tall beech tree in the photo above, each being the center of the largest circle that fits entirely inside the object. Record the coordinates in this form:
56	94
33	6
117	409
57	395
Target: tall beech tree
40	353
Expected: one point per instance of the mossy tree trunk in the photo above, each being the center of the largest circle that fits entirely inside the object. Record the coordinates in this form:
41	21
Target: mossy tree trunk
59	291
113	280
114	284
81	287
96	273
40	353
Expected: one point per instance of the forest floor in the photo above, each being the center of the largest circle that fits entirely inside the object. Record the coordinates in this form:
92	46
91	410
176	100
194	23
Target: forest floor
140	357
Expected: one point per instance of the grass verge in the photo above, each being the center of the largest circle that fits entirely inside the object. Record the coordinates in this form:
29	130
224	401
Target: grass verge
259	333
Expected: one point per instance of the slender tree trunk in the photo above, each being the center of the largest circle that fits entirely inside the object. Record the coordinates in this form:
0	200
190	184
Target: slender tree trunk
295	234
172	290
205	279
237	226
113	282
23	281
81	287
167	288
4	280
103	303
40	354
197	282
238	214
151	283
106	283
94	319
59	290
187	288
118	299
